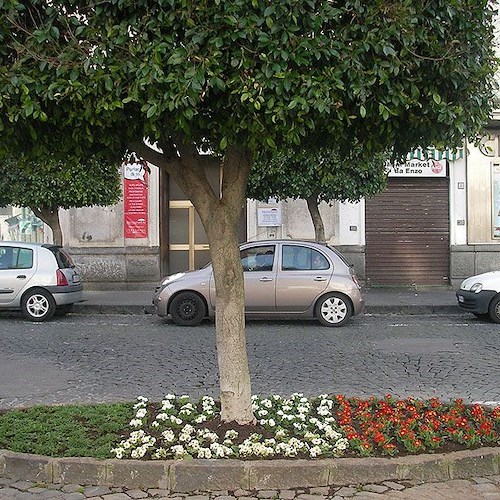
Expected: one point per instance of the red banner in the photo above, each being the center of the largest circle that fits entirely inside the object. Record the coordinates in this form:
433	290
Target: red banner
135	200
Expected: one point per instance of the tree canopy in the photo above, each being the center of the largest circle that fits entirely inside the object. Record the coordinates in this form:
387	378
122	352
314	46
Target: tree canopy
98	76
46	187
234	77
325	176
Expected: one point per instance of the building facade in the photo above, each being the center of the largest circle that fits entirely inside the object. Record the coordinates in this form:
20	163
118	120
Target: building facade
437	222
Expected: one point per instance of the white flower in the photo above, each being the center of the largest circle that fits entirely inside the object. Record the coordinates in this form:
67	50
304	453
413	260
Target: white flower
178	450
135	422
315	451
141	413
204	453
231	434
168	436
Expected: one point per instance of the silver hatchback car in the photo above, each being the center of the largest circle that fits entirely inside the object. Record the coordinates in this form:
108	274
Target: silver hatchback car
39	279
283	279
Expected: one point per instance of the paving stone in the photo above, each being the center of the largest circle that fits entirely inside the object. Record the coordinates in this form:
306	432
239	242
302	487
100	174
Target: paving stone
223	497
287	494
346	491
394	486
115	496
320	490
241	493
484	487
375	488
267	494
155	492
368	495
96	491
481	480
137	494
305	496
23	485
37	489
72	488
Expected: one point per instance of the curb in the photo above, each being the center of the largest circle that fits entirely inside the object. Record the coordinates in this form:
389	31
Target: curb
375	309
184	476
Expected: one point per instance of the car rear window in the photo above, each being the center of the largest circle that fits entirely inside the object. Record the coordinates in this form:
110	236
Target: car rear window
64	261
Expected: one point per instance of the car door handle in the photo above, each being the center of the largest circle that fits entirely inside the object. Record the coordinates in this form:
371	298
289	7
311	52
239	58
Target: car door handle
320	278
21	277
265	278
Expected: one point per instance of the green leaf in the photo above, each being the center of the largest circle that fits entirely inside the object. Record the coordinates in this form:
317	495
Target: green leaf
223	144
362	111
436	97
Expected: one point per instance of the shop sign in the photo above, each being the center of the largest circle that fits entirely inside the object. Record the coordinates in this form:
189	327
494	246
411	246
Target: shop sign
418	168
135	199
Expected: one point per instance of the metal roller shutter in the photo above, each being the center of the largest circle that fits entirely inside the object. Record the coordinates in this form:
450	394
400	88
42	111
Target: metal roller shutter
407	233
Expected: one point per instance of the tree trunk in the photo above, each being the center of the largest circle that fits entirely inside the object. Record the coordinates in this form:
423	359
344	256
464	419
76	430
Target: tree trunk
234	374
220	215
51	217
319	228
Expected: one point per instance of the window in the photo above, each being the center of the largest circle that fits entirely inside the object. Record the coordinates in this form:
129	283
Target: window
16	258
257	258
298	258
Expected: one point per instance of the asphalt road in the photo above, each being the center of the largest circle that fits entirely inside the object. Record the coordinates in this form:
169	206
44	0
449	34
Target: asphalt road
82	358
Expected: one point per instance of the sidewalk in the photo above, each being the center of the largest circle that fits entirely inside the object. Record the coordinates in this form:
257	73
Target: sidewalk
379	300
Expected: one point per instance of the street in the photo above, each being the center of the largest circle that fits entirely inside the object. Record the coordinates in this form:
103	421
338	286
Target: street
81	358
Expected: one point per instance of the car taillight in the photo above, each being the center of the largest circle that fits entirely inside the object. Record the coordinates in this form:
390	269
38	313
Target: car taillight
61	279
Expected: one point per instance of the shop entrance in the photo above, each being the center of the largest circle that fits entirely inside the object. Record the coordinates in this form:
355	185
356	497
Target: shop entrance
408	234
183	241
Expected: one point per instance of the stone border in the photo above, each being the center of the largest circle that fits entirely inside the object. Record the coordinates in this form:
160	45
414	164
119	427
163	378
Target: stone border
184	476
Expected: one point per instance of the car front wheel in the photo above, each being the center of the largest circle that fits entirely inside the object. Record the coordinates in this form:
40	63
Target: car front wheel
494	309
333	310
187	309
38	305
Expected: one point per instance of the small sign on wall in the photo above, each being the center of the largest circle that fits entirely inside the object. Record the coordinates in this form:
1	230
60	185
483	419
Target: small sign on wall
269	216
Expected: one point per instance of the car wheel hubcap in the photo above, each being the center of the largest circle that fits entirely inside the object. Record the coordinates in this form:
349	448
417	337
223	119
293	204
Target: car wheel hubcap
333	310
187	309
38	305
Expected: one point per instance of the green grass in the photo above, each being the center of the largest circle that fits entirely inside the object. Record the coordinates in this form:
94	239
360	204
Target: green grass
71	431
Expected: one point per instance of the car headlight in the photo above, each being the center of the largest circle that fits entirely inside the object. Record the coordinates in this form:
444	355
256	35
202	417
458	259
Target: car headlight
171	278
476	287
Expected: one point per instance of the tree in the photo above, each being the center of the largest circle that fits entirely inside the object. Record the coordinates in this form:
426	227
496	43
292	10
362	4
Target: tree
233	78
46	187
325	176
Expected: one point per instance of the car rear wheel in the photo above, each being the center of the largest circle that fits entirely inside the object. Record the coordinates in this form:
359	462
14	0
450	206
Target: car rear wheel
187	309
494	309
333	309
38	305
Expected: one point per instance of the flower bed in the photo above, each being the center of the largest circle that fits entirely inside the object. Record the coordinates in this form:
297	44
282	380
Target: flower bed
300	427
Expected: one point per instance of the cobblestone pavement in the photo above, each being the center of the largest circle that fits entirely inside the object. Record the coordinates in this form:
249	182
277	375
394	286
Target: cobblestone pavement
473	489
119	357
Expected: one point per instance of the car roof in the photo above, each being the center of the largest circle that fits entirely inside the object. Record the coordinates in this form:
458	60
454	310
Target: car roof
26	244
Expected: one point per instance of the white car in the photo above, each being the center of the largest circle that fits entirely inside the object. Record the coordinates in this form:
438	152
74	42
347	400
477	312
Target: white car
39	279
480	295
